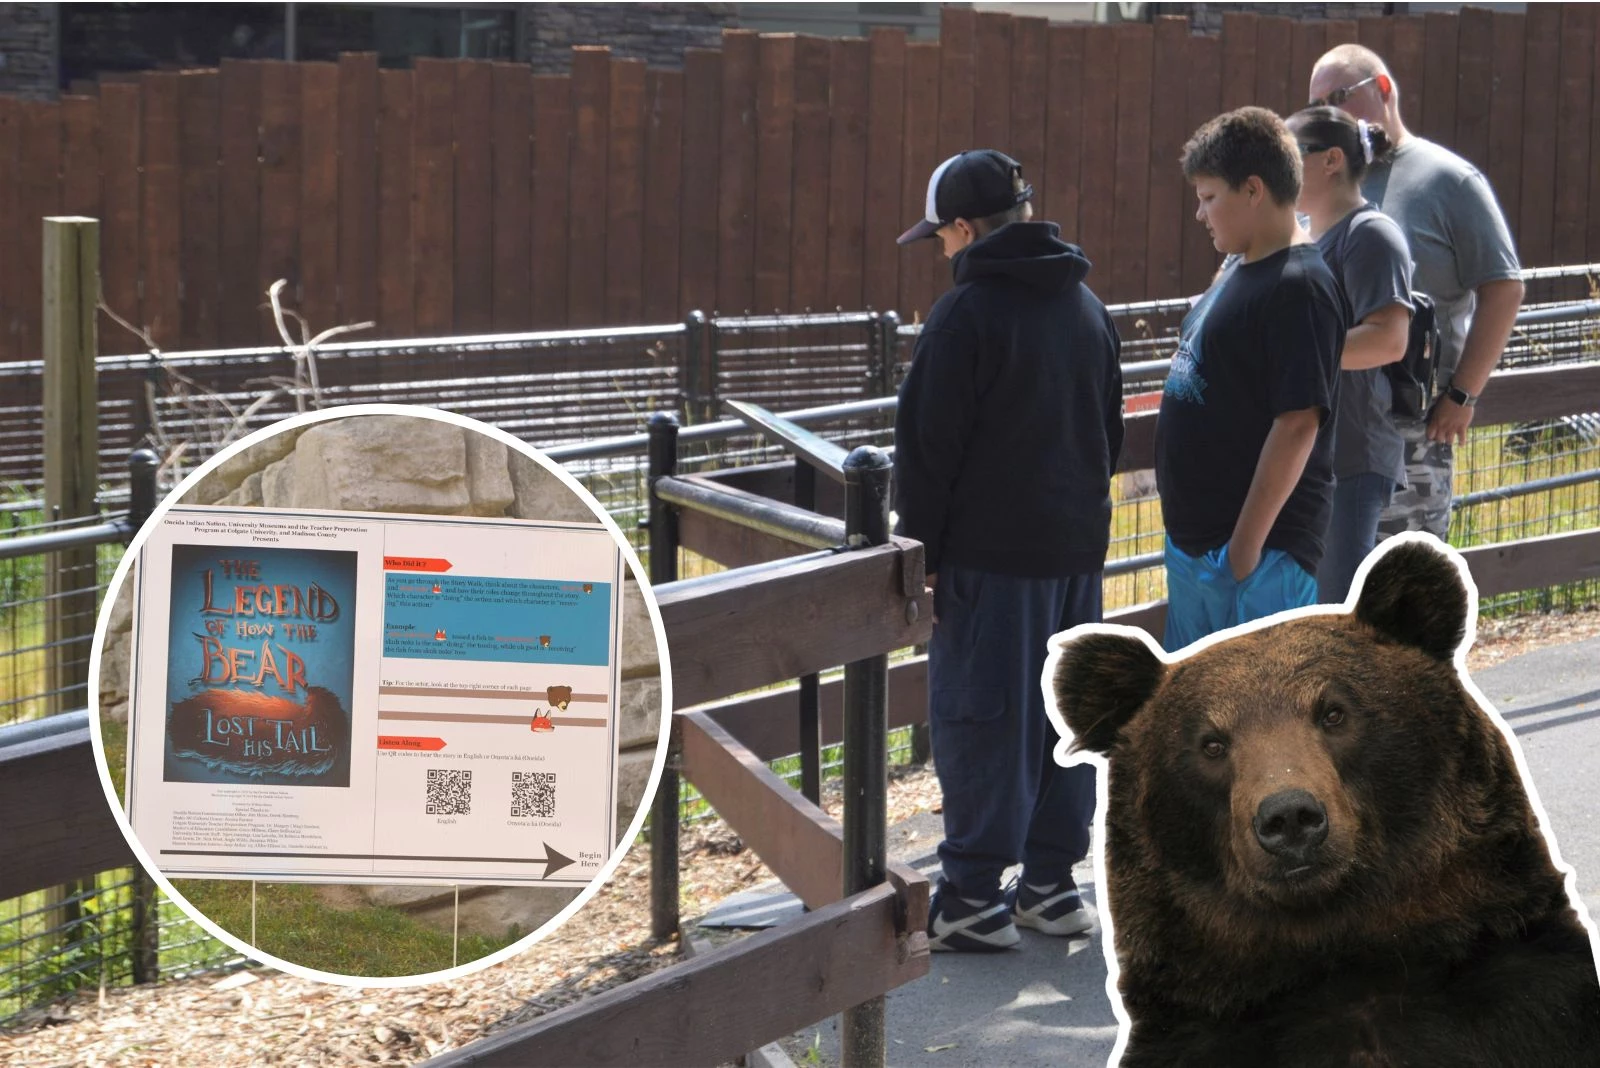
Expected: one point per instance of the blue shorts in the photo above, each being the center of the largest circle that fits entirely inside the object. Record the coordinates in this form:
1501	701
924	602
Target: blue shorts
1203	597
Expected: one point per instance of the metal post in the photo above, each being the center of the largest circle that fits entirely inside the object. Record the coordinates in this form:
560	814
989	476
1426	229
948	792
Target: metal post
805	496
866	684
142	467
663	461
691	373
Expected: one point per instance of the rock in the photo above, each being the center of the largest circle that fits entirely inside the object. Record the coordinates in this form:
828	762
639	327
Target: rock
639	713
233	471
486	910
541	495
633	775
641	656
488	474
375	463
248	495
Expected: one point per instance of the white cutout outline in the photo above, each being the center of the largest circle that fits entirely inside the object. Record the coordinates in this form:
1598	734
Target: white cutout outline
617	853
1102	765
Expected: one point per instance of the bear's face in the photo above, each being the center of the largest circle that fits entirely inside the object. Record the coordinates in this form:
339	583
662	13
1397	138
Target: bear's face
1277	769
1282	781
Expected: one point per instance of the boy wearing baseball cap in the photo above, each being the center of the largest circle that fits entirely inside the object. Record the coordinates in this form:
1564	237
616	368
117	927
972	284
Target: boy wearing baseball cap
1008	430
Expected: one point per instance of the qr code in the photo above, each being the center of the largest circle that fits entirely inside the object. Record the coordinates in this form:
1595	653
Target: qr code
533	793
449	792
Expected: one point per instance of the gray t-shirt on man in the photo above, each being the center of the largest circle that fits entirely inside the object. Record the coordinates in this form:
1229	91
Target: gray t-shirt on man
1367	253
1457	234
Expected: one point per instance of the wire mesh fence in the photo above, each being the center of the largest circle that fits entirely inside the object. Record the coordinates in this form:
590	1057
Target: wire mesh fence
575	387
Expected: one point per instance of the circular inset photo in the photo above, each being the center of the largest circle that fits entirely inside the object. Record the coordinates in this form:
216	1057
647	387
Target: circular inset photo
380	695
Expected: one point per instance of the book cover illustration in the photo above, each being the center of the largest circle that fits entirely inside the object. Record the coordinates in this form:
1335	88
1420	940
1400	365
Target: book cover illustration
260	661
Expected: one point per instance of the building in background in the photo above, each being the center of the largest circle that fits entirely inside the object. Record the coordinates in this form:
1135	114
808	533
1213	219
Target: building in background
50	48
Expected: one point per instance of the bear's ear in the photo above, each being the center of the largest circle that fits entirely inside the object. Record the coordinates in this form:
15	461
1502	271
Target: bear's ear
1100	681
1414	595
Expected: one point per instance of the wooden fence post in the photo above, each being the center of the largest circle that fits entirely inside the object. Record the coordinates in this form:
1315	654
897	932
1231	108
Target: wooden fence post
71	477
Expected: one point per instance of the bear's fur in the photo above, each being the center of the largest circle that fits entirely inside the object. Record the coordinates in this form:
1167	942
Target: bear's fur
1319	850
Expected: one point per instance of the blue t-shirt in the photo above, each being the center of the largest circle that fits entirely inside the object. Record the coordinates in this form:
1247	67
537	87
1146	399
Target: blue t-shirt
1263	340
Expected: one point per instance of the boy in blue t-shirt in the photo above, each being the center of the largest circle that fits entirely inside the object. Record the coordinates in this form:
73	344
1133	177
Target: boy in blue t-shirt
1244	437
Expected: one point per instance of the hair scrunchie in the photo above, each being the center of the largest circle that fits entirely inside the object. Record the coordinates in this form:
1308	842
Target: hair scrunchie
1366	139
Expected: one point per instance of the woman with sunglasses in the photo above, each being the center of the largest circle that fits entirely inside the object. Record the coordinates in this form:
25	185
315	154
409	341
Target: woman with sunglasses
1368	255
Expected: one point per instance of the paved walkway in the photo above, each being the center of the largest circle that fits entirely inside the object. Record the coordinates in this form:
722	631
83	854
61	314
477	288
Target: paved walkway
1047	1005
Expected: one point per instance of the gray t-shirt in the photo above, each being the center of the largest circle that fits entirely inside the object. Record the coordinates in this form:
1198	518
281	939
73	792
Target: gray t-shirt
1367	253
1458	237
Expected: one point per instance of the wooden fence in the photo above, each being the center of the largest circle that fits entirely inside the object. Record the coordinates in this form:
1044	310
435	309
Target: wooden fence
772	174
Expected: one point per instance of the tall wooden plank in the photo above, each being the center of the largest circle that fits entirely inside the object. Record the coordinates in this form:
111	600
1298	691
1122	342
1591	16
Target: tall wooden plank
1342	31
1573	142
663	194
958	29
80	155
1164	209
847	173
433	237
808	266
36	175
511	119
358	187
319	195
775	113
625	196
1441	35
474	198
200	141
120	200
1474	85
991	89
1097	181
1308	40
1238	60
1030	80
699	234
885	135
12	297
280	191
552	154
1274	51
396	290
919	156
1503	164
239	230
1376	33
1541	86
591	147
1408	63
161	208
1129	223
737	193
1204	69
1063	143
1591	250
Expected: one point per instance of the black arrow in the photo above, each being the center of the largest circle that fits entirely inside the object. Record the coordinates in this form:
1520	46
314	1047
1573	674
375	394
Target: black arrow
554	860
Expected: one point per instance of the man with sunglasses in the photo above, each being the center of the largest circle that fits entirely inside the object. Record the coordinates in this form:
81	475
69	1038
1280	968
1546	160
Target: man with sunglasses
1464	259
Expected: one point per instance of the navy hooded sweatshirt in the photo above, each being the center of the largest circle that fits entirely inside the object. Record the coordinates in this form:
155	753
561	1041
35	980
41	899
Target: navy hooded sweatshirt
1010	417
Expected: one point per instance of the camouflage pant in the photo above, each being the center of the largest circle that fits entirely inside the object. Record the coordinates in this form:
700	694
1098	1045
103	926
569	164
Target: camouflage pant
1424	504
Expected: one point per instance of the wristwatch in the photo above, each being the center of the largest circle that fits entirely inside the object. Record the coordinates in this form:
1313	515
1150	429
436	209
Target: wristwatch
1461	396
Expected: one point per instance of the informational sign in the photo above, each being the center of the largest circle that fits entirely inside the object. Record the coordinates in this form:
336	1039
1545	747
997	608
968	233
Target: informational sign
352	697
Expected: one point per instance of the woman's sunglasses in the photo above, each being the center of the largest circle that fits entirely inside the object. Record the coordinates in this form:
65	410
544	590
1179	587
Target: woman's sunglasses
1339	96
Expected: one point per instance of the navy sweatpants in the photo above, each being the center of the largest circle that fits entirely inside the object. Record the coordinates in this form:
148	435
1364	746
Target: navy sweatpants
1005	799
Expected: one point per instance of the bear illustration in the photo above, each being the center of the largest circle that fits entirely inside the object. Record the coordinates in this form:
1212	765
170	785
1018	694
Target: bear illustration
1318	848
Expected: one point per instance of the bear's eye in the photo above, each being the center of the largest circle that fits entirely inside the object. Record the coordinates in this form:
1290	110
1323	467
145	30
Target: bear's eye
1213	747
1332	717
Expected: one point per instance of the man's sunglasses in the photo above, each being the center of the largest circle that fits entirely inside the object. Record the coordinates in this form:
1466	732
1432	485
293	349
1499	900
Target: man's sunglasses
1308	147
1339	96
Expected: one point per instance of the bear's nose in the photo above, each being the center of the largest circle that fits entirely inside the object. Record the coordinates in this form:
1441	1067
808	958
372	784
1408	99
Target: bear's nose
1291	823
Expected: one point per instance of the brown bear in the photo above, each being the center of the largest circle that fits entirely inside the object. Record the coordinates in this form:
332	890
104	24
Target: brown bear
1318	848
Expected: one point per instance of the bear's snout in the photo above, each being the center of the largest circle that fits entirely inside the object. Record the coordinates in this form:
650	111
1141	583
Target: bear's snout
1291	824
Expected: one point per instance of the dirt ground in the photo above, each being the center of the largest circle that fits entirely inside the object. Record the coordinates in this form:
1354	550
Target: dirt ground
265	1017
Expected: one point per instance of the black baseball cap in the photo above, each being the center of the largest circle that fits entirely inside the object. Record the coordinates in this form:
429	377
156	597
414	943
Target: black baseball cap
970	185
